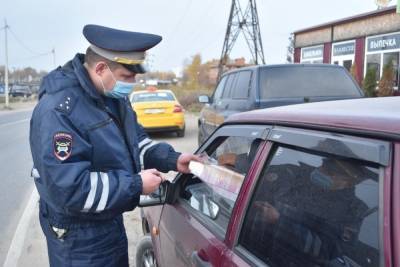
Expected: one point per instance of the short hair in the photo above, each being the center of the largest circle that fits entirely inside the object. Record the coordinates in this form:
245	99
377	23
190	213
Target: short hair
91	58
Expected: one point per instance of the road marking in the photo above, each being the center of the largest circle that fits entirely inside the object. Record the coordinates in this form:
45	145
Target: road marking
17	243
13	122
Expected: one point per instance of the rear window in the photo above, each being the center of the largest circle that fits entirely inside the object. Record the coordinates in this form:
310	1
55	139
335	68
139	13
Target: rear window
150	97
306	82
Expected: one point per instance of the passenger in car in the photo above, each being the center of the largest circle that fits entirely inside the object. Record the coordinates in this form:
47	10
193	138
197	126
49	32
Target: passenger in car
312	211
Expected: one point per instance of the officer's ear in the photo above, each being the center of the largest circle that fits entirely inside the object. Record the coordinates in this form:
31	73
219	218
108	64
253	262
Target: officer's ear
100	68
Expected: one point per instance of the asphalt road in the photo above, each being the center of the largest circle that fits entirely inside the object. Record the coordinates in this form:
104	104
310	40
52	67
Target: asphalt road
15	165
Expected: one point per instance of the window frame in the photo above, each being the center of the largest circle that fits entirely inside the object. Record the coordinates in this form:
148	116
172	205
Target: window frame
236	84
256	131
273	142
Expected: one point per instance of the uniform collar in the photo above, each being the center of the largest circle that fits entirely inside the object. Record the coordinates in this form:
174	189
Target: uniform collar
84	78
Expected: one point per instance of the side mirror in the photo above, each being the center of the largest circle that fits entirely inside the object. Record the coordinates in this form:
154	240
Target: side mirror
204	99
157	197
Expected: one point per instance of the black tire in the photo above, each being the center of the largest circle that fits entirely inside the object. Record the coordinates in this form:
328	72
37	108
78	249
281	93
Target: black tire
145	256
181	133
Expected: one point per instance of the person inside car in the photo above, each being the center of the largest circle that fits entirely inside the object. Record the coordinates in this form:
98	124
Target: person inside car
313	212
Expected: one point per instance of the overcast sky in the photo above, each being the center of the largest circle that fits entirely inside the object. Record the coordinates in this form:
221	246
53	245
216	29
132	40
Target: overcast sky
187	26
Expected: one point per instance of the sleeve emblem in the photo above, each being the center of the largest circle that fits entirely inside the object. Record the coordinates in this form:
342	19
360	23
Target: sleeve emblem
62	146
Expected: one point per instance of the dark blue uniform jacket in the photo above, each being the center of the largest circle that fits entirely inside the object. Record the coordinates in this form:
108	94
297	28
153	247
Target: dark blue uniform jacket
86	157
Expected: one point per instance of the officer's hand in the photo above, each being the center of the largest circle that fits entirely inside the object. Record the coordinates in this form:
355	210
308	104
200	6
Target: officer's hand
182	164
151	180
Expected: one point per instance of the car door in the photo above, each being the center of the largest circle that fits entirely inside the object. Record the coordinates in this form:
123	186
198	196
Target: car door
192	229
319	200
240	99
222	109
208	113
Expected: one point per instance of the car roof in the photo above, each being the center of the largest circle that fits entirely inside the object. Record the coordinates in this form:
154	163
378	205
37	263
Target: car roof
371	116
157	91
291	65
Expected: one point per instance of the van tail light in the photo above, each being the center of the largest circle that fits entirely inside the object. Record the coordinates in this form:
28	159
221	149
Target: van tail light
178	109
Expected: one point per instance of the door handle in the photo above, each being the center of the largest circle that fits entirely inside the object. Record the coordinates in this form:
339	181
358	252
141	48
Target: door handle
198	261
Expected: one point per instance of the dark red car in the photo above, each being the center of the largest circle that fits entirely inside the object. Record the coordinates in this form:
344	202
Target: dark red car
306	185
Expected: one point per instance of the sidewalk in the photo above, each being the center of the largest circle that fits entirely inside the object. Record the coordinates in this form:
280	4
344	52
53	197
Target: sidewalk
34	250
17	106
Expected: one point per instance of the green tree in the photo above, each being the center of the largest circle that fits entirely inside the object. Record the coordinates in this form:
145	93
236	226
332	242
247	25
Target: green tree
369	83
385	86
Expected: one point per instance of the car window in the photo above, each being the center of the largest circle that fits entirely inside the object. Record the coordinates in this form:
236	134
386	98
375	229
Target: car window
213	191
242	87
230	83
151	97
307	81
219	90
314	210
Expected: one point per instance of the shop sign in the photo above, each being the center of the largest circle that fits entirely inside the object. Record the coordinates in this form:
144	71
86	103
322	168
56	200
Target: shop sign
312	52
343	49
386	42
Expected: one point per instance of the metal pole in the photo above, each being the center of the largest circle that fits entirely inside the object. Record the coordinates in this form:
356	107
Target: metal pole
6	65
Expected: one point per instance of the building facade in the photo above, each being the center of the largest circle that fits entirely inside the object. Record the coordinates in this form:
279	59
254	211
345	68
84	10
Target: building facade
367	41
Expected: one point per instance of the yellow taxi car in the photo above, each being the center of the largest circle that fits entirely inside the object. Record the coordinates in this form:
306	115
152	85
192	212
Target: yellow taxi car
158	110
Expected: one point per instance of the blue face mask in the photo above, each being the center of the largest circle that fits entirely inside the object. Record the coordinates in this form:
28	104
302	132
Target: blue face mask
120	89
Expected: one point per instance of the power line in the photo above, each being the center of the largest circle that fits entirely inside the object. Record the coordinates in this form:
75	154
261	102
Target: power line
23	44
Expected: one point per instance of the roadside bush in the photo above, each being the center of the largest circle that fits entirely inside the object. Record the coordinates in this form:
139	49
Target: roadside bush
189	97
369	83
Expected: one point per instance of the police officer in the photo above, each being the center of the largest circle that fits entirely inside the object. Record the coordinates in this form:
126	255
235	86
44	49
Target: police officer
92	160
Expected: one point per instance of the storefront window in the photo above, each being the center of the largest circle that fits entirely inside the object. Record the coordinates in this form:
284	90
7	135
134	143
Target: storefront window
382	50
374	62
393	59
347	64
343	54
312	54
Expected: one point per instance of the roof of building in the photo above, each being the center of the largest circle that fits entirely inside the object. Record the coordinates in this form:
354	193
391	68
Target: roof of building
376	116
378	12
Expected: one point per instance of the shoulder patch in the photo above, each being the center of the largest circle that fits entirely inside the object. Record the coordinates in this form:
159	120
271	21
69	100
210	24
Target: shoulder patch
62	145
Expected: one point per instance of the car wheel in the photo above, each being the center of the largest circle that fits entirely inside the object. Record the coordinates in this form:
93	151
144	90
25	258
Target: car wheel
181	133
145	253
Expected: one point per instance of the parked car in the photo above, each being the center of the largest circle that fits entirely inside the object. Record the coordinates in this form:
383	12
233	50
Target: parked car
306	185
159	111
273	85
20	90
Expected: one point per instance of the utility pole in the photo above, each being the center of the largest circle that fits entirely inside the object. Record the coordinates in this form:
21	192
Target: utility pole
6	64
246	22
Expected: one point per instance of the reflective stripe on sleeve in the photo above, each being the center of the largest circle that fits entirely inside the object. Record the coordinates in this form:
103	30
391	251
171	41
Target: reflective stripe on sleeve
144	142
104	194
94	177
152	143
